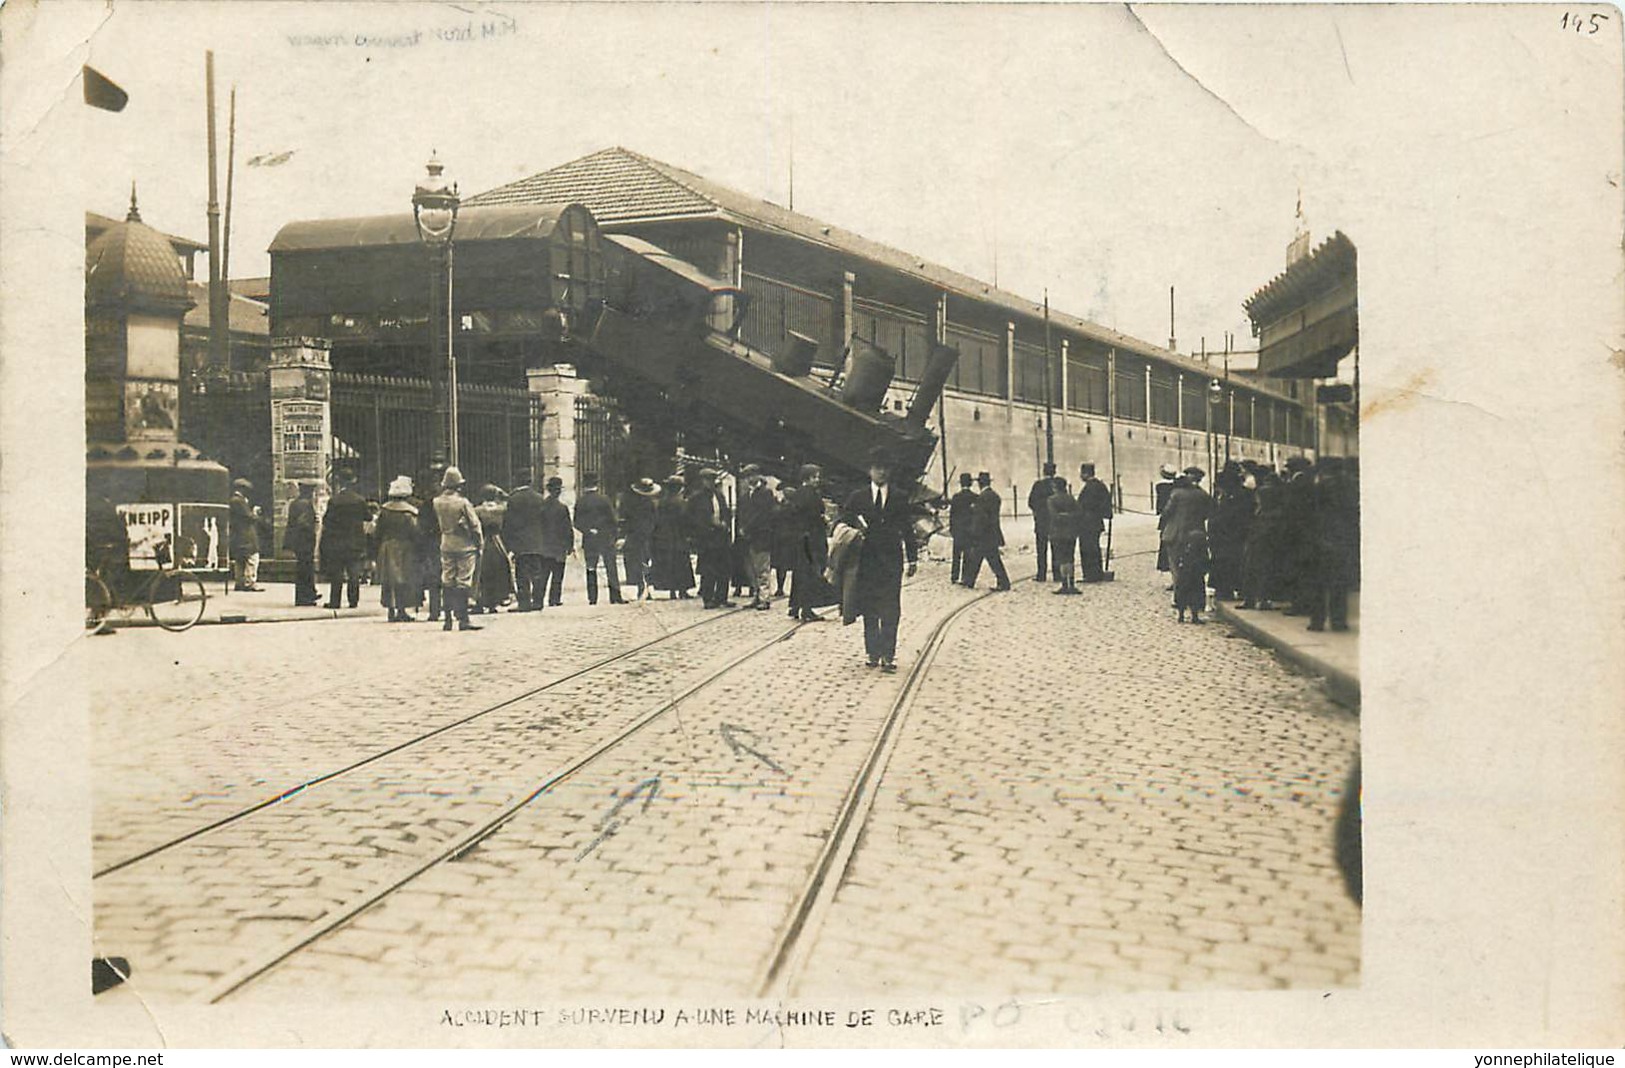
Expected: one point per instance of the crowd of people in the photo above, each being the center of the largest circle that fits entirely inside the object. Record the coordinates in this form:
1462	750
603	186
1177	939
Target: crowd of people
1264	539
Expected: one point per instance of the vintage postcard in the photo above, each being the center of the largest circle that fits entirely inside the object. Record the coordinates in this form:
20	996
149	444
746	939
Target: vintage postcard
780	524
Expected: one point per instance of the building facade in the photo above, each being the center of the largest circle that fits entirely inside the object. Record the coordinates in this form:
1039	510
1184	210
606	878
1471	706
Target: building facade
1124	404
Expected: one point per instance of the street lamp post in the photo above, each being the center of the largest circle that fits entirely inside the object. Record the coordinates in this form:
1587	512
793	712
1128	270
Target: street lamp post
434	209
1215	395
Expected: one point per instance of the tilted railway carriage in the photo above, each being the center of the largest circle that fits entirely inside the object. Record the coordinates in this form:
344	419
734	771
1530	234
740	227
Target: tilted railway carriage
540	285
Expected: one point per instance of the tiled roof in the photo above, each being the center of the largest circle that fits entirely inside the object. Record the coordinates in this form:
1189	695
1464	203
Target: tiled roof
621	186
614	184
96	224
133	265
246	316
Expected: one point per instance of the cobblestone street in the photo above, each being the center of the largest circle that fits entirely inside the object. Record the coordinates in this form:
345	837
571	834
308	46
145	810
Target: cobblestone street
1079	795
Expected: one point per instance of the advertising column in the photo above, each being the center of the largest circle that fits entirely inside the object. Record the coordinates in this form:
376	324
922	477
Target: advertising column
301	423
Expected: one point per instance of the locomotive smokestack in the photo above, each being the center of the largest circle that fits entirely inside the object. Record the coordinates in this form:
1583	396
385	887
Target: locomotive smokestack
869	372
937	369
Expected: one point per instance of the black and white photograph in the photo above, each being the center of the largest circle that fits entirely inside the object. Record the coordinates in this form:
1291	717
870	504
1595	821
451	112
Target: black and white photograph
780	524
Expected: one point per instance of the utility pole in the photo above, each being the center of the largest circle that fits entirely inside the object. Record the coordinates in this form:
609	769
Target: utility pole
217	303
1173	344
225	237
1049	406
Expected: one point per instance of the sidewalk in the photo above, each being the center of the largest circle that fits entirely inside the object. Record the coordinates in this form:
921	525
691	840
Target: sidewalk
1333	655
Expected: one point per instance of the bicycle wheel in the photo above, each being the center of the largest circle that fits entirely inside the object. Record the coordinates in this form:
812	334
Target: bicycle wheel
98	603
177	599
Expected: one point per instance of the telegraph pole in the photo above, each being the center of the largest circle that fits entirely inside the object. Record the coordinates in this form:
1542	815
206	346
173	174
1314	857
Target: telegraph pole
217	303
1049	406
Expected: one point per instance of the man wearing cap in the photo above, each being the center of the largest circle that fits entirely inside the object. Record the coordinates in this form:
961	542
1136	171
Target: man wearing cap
523	534
460	540
882	512
558	542
1189	508
960	507
987	535
1037	499
709	520
344	540
1094	508
758	509
299	538
637	533
245	538
595	518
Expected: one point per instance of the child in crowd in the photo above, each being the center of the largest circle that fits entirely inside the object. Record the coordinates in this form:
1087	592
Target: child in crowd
1193	561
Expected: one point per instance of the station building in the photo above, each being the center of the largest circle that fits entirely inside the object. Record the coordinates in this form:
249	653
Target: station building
829	284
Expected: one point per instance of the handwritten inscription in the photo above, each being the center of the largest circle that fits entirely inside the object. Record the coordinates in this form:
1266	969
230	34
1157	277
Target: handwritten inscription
1586	24
741	740
613	820
465	33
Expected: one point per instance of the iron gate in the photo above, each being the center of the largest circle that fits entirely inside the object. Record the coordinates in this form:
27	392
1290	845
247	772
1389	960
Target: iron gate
384	425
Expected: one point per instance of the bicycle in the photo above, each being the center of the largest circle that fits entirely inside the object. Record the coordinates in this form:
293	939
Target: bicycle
173	598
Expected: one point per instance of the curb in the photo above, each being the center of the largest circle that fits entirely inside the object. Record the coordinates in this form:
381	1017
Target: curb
1343	686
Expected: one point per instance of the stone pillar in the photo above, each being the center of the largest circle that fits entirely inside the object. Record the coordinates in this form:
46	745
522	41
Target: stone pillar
1009	365
1066	376
301	423
558	387
844	333
1148	394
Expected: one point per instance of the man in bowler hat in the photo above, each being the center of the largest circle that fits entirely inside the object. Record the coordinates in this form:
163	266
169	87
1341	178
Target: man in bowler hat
558	542
1038	505
300	539
1094	508
960	508
881	511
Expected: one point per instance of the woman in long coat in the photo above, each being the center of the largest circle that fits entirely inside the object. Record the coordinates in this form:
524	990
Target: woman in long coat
495	582
786	537
672	569
396	540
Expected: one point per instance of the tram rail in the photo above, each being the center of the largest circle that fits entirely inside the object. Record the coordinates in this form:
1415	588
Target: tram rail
399	747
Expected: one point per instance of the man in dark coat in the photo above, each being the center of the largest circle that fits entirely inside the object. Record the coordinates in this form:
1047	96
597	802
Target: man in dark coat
1188	509
709	523
1336	526
107	545
987	536
245	538
1227	533
425	489
522	532
1299	548
595	518
300	539
758	515
1094	508
1036	499
637	532
882	512
344	540
558	542
960	508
